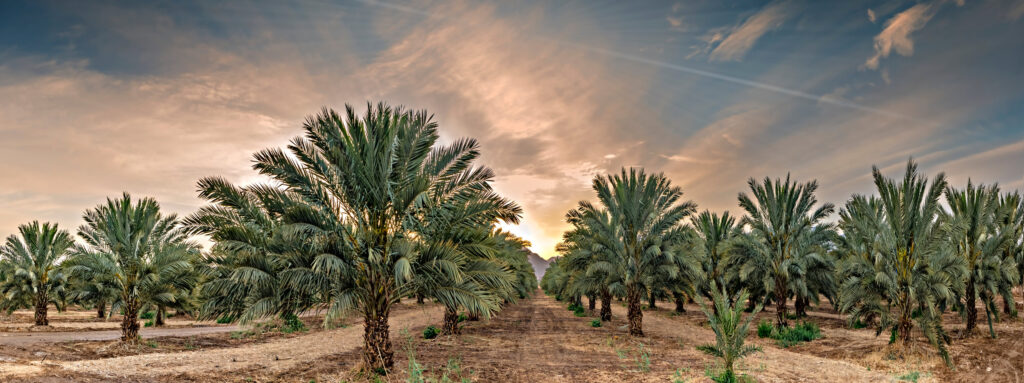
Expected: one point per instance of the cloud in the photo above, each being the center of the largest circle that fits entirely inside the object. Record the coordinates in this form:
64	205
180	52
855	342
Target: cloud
896	35
871	15
1016	10
734	46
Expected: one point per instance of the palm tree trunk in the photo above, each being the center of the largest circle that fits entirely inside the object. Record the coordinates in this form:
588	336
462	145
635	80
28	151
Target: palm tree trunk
130	322
451	322
970	306
1009	308
780	303
377	353
801	306
41	302
473	317
101	309
606	305
420	299
680	302
634	314
159	321
652	302
591	302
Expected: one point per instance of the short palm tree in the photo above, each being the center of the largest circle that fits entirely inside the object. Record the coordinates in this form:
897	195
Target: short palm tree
730	327
590	255
647	213
138	245
778	216
897	265
713	232
1011	207
974	227
33	266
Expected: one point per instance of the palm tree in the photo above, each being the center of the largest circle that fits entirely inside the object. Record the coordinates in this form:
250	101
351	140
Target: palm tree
974	219
138	245
713	232
778	216
589	251
897	266
1011	207
646	212
730	327
363	187
33	263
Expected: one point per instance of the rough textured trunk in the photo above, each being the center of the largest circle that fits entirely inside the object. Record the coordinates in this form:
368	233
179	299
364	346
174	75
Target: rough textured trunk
652	302
130	322
751	304
680	302
801	306
591	302
636	316
970	307
159	321
780	304
101	309
451	322
903	328
420	299
474	317
41	302
377	353
606	306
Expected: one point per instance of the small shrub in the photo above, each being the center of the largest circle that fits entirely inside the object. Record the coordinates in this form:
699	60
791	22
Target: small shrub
595	323
147	315
148	323
225	319
152	344
643	359
580	312
430	332
858	324
292	324
462	318
764	329
912	376
803	332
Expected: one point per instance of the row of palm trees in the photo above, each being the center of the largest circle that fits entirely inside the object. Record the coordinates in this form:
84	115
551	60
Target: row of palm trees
359	213
896	260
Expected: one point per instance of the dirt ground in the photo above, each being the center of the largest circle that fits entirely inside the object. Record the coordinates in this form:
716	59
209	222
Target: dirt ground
535	340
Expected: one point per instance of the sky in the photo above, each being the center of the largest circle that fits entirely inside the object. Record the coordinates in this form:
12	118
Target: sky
102	97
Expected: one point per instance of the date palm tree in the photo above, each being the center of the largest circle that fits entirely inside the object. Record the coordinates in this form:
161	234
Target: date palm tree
590	254
647	212
778	216
1011	207
32	262
897	264
730	327
363	190
139	246
974	219
713	232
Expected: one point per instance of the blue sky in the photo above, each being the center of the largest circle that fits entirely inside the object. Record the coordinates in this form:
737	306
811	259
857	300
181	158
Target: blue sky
100	97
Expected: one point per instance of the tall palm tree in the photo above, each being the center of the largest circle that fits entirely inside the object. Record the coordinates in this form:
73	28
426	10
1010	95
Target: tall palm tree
647	212
363	188
778	215
138	245
897	265
33	263
591	256
974	218
1011	207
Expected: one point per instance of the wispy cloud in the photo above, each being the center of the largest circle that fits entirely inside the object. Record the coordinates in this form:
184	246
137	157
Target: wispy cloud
896	35
736	44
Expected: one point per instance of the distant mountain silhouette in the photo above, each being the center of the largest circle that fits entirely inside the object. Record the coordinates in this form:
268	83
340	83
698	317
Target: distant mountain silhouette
540	265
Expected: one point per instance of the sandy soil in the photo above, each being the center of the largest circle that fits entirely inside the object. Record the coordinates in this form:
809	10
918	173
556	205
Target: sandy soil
536	340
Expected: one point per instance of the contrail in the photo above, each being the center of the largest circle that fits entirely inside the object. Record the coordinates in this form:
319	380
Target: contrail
685	69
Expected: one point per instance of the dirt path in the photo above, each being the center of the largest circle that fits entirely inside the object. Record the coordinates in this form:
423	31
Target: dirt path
26	338
267	357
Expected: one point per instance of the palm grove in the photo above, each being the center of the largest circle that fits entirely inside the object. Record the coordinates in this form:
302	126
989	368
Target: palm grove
895	261
358	213
361	212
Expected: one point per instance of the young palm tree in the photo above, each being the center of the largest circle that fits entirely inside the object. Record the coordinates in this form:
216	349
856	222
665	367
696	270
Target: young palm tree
138	245
33	266
730	327
646	212
974	219
364	186
778	216
897	265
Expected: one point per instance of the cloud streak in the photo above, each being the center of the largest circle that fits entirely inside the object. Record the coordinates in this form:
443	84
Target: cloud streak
738	42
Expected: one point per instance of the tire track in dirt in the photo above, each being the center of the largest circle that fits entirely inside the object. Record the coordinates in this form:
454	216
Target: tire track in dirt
269	357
